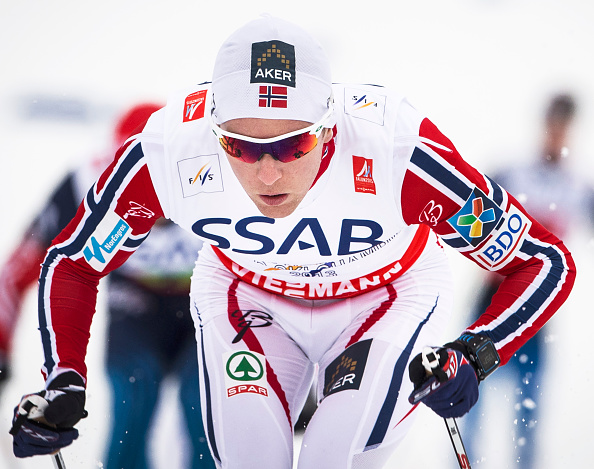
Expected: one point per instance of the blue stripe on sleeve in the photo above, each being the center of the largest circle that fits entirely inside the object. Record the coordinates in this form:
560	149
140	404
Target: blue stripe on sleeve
98	211
134	243
539	297
438	172
497	194
456	243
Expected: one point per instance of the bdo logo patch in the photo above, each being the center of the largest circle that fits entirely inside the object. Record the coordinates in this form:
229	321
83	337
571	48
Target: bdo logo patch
273	62
245	372
505	241
346	371
477	218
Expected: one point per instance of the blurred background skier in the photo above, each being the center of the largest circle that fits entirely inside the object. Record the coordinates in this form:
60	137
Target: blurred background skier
560	199
150	333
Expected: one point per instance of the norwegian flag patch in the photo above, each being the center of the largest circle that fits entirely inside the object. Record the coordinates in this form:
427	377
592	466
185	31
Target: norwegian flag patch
273	96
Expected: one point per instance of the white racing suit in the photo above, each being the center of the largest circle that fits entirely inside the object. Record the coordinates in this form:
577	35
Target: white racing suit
353	281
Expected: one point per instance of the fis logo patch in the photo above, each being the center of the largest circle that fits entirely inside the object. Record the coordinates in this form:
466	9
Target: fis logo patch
200	174
245	372
363	174
194	106
273	62
364	105
477	218
346	372
105	241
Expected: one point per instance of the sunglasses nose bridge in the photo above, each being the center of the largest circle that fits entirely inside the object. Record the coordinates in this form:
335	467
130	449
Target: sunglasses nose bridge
267	149
268	170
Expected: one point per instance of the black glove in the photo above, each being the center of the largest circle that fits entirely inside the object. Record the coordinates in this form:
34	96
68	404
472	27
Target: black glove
31	438
446	379
65	396
43	421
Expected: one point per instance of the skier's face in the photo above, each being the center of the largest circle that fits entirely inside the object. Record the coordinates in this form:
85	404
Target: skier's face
275	187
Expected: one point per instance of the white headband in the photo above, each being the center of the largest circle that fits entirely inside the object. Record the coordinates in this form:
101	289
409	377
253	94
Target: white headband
271	69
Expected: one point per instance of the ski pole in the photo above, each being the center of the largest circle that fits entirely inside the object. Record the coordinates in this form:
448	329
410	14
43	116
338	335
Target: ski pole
431	361
58	460
457	443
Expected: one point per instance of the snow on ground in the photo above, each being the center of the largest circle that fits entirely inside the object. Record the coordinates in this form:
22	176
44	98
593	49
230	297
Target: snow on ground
481	69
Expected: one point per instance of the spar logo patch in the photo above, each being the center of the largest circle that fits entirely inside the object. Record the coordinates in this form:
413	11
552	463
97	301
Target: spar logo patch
245	372
273	62
346	372
477	218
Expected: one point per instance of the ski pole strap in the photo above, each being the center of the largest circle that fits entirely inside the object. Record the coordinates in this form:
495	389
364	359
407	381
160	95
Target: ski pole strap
23	412
31	407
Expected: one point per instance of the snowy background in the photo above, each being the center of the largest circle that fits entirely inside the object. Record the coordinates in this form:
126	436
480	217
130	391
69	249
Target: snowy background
481	69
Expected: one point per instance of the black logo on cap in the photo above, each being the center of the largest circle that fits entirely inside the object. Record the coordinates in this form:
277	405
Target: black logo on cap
273	62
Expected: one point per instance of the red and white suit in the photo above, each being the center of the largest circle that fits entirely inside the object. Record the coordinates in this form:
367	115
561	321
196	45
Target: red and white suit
353	282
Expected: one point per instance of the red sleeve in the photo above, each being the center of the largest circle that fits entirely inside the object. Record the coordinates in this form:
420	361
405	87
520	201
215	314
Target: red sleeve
114	218
477	217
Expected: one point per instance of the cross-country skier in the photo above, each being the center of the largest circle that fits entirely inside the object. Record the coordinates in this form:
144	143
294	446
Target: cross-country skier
320	206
